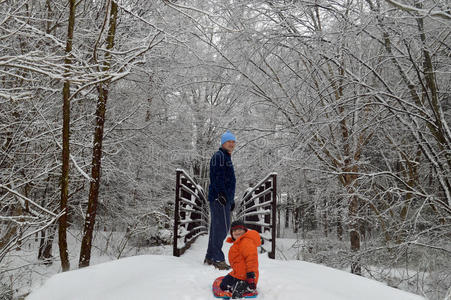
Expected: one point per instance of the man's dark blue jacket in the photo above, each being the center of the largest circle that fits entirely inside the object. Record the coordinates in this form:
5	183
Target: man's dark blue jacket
222	177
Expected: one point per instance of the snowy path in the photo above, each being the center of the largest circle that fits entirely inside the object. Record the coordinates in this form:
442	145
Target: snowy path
154	277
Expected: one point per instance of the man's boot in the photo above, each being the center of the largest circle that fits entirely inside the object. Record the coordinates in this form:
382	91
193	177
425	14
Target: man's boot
221	265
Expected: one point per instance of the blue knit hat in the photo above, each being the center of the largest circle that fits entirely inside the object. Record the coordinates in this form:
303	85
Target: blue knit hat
228	136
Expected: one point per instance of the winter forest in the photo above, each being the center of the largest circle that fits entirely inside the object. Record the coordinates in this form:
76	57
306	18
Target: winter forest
347	100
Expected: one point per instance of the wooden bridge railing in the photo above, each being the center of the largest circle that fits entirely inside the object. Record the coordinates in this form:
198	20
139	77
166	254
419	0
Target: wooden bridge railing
191	212
258	209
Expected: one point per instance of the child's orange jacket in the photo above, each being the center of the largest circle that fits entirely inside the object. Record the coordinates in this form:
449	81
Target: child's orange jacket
243	255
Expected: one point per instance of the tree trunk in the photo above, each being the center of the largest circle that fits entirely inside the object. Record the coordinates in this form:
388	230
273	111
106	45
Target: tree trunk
326	225
354	234
103	88
339	229
62	239
45	245
353	213
11	228
41	244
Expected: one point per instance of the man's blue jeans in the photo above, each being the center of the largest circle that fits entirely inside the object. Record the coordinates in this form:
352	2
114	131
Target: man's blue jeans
219	228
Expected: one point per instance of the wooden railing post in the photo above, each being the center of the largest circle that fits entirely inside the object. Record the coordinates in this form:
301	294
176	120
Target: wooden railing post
272	254
175	251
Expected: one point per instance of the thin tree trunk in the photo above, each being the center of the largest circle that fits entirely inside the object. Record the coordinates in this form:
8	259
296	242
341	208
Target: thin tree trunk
326	225
354	234
339	229
103	88
41	244
45	244
62	228
11	229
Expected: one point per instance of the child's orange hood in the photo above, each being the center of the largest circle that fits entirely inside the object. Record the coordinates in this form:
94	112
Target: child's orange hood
249	234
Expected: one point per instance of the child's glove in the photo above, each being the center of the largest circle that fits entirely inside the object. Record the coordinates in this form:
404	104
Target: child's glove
251	281
222	199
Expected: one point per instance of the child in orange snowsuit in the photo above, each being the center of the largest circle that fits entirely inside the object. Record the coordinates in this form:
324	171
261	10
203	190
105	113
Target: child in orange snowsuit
243	258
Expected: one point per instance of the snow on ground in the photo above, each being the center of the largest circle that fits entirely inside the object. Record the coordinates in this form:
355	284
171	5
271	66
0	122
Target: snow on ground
166	277
21	270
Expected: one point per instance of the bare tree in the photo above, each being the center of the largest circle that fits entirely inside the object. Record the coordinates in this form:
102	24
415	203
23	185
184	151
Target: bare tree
103	89
62	239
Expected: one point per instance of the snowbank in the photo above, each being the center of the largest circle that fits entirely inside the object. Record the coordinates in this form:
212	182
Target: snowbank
165	277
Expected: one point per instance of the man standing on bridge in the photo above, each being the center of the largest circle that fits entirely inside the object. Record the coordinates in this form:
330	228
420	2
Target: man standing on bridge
221	194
